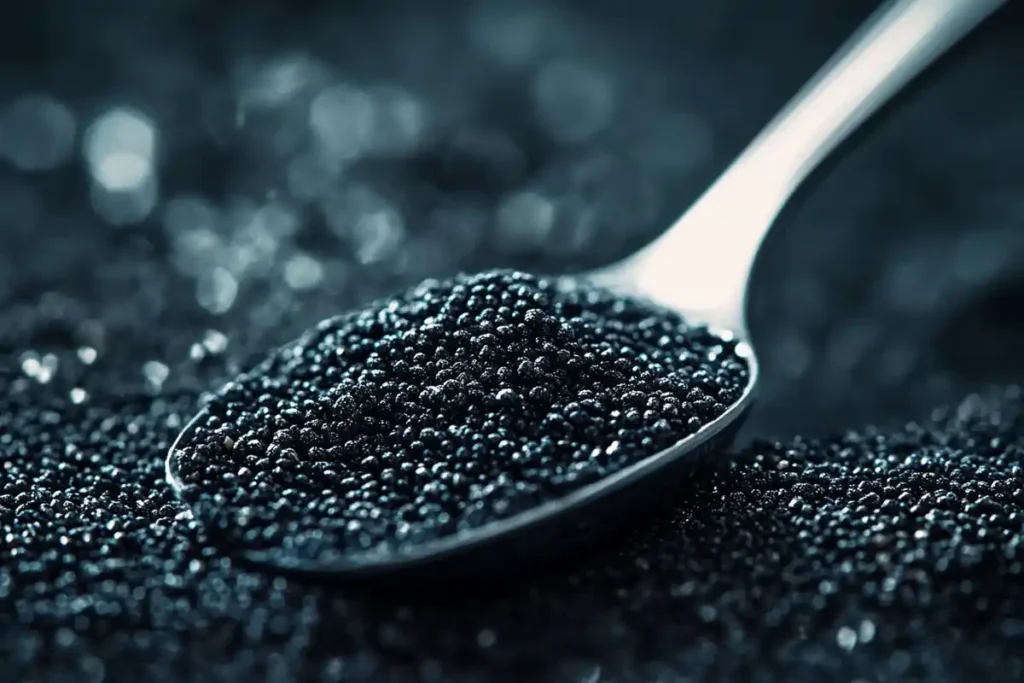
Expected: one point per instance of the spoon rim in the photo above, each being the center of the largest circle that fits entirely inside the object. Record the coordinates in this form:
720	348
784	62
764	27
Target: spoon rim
377	563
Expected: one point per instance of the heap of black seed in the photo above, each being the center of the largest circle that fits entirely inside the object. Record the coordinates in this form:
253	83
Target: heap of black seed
451	405
874	555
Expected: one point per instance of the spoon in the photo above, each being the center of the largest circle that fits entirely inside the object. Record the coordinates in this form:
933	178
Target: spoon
700	267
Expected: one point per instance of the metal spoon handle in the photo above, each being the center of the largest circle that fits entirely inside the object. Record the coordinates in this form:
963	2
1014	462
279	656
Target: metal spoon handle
889	50
705	258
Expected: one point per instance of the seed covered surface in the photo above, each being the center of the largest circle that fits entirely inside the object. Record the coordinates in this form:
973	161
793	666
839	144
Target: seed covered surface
800	560
451	405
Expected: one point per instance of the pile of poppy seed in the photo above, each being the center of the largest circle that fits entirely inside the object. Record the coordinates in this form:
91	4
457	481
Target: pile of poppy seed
881	555
451	405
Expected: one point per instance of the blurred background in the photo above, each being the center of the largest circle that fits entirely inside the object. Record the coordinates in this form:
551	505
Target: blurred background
185	184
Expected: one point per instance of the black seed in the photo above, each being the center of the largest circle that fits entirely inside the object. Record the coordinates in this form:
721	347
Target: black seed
583	367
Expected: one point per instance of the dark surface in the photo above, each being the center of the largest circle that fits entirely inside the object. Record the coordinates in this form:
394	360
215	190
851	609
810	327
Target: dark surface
891	286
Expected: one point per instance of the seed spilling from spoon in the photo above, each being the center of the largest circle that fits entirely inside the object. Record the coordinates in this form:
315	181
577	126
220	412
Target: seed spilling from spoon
446	408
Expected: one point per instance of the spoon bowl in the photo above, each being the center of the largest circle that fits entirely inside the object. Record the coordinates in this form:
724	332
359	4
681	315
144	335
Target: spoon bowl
700	267
545	531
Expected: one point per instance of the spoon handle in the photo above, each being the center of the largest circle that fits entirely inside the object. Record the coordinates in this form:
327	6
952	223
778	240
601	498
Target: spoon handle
892	47
702	263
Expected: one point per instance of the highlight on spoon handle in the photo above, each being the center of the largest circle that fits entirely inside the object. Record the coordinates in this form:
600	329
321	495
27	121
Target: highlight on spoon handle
893	46
701	265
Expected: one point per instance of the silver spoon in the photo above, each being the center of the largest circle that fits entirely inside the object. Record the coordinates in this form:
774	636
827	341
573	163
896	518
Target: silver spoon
701	267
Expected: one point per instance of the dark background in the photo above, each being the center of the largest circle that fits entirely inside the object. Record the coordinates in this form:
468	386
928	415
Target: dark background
891	285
